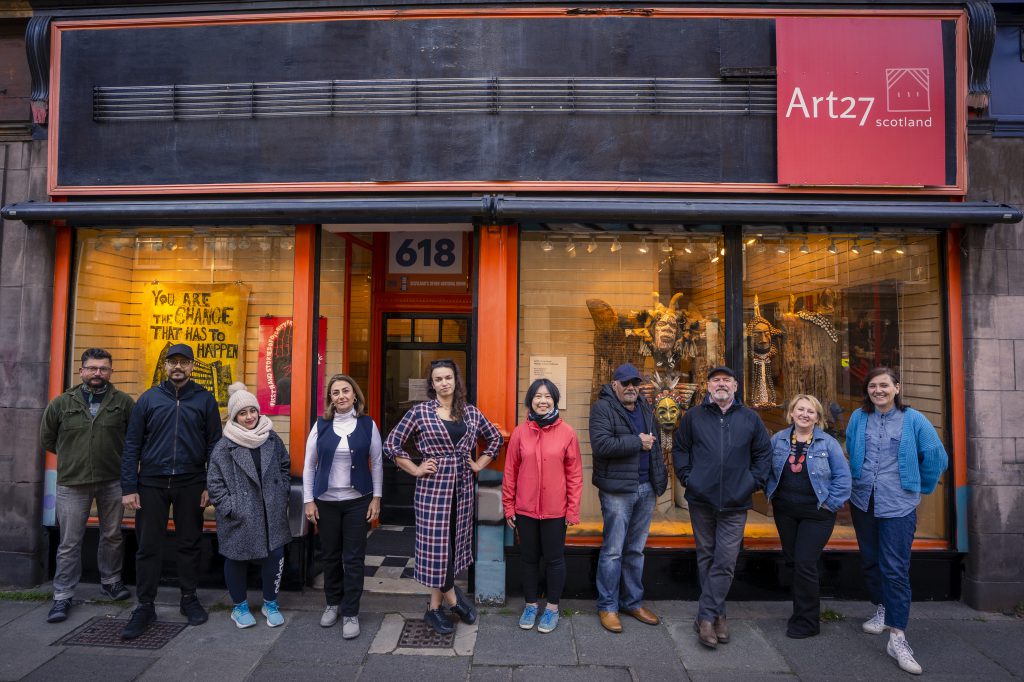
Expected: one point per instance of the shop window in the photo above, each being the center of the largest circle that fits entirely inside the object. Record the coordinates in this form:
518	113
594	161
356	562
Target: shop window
588	303
137	292
345	266
820	311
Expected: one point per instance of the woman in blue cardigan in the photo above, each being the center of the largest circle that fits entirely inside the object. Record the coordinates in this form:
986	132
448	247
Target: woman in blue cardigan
895	457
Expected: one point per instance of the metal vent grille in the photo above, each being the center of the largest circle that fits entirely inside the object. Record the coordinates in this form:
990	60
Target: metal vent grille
416	634
631	96
106	631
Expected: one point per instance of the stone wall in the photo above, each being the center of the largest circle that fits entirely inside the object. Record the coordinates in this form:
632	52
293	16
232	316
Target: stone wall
993	305
26	294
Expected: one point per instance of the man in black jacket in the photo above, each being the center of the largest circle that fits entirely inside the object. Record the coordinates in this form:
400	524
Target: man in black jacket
171	433
630	474
722	454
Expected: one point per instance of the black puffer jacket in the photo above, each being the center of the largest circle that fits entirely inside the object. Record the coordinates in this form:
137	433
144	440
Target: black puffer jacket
722	459
169	433
616	448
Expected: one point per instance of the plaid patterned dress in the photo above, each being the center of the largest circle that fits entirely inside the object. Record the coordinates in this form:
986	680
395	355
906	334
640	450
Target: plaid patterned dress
433	496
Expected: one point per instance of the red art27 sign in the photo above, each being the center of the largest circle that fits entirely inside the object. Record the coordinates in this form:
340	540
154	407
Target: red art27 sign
861	101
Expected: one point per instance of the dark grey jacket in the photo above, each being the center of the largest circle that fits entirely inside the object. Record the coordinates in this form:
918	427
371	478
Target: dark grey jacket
616	449
252	514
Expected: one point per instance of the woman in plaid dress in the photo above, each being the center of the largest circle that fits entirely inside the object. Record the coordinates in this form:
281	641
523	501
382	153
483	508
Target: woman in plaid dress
446	430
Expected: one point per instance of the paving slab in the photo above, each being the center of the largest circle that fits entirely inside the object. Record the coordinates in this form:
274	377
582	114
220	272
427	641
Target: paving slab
500	641
413	668
656	671
740	676
10	610
747	651
89	665
490	673
1000	641
945	655
584	673
279	672
637	643
304	641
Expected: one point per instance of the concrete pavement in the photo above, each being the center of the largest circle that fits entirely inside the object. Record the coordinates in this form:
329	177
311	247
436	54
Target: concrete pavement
951	641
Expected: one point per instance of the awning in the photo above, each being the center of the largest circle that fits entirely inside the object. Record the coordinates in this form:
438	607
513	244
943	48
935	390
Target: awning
499	209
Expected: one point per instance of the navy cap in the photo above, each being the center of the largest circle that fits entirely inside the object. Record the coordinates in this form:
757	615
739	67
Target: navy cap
720	370
625	372
180	349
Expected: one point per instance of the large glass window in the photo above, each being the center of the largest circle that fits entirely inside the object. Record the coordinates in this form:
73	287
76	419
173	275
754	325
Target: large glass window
345	293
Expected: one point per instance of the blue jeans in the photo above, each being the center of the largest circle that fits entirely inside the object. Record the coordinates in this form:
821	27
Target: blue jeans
885	559
627	521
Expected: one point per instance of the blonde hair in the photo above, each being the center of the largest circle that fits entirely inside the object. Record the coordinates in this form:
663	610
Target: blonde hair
814	403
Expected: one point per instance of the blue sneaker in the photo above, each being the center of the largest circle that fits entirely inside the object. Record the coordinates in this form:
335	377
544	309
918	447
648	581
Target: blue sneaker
273	614
529	617
241	615
548	620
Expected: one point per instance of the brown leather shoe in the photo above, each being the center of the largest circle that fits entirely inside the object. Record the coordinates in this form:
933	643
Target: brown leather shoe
721	630
643	614
610	621
706	633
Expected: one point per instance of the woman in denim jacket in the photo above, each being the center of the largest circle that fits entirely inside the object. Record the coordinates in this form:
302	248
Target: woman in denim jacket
810	481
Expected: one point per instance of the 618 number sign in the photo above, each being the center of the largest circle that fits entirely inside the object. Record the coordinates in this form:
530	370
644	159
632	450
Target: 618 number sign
425	252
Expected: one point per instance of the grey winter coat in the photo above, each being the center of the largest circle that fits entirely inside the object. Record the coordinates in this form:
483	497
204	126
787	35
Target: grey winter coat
252	514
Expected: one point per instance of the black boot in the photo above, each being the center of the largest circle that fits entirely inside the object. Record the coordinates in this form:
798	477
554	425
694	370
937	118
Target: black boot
436	619
142	617
464	607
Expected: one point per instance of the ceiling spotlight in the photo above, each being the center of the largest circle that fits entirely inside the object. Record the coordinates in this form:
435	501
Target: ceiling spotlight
666	246
192	246
855	248
832	248
592	245
288	244
722	251
901	248
804	249
616	246
643	248
244	243
879	249
782	248
172	245
547	245
156	245
264	243
751	240
570	247
714	257
688	246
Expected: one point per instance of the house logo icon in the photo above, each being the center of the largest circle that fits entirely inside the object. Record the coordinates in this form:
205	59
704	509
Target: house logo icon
908	90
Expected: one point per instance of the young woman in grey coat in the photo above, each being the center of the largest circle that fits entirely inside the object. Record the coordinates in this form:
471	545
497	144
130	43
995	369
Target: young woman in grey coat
248	480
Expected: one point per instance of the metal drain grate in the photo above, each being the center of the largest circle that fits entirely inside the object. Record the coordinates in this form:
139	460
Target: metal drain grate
416	634
106	631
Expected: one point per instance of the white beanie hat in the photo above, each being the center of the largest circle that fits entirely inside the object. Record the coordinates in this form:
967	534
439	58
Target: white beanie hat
239	399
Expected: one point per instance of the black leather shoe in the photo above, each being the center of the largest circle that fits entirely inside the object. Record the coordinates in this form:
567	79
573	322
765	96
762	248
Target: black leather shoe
436	619
116	591
463	607
193	610
142	617
59	611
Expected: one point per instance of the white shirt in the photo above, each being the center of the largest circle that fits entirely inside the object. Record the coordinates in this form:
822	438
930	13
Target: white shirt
339	481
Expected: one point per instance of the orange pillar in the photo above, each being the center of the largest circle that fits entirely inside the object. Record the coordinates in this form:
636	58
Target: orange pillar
58	350
958	403
303	368
496	323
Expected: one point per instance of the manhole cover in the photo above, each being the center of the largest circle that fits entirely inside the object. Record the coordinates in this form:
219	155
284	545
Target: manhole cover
106	631
416	634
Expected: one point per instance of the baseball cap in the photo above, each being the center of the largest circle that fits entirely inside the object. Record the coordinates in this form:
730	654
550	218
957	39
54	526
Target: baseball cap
180	349
722	369
625	372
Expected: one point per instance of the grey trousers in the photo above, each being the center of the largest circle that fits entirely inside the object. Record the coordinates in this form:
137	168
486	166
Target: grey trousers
719	536
74	502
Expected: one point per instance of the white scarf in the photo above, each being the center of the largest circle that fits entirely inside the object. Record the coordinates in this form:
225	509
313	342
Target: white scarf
249	438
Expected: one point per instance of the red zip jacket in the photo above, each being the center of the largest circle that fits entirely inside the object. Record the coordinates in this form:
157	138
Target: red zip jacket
543	472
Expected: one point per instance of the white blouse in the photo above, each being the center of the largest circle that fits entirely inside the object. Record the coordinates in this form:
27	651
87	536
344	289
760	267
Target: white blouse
339	481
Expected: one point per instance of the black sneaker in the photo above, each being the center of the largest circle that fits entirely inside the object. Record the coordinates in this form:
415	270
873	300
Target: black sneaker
463	607
59	612
193	610
142	617
116	591
436	619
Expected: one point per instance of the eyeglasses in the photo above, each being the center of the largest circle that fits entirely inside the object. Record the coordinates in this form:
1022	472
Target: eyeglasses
442	362
632	382
177	363
97	370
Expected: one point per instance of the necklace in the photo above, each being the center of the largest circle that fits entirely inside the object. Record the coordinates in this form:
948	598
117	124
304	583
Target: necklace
822	321
796	461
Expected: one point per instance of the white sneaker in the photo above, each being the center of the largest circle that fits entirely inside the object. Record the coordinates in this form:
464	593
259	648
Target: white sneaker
899	649
876	625
330	616
350	627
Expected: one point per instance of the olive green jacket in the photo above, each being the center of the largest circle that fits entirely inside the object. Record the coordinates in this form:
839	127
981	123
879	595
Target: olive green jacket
88	450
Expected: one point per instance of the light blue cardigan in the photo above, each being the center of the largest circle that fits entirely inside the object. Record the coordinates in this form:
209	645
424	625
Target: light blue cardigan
922	458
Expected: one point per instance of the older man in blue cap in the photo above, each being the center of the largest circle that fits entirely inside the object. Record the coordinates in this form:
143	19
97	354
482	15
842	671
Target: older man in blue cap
630	474
171	433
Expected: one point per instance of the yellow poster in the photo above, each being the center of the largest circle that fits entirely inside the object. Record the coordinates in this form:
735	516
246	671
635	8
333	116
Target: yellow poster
208	317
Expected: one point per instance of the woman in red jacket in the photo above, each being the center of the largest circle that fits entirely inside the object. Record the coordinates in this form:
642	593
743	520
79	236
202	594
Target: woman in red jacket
544	450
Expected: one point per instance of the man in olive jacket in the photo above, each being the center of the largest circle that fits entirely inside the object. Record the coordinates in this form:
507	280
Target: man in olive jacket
722	454
630	474
85	426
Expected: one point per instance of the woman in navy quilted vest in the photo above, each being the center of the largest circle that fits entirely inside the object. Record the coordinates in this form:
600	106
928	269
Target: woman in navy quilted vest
341	484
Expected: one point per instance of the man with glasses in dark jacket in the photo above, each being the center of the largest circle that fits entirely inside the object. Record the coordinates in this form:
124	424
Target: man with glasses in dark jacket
722	454
630	474
171	433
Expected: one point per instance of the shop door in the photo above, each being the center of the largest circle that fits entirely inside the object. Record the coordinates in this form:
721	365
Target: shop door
411	342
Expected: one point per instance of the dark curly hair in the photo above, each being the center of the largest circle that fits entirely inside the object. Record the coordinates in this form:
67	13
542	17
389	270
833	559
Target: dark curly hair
459	399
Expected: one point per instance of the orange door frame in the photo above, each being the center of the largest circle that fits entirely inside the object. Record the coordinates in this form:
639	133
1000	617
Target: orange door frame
303	368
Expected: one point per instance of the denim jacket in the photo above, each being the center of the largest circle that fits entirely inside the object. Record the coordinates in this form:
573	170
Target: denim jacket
826	466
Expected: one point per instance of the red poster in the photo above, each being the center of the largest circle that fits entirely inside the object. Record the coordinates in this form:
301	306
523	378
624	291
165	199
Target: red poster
274	387
860	101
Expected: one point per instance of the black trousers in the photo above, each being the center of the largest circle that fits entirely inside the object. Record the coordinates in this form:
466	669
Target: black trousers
236	575
343	529
542	537
804	529
449	566
151	527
